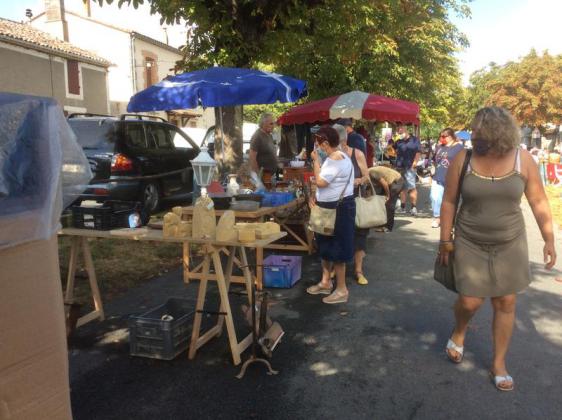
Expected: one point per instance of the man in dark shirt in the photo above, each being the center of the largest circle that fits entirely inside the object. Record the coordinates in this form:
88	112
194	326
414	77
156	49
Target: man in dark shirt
262	147
408	150
354	139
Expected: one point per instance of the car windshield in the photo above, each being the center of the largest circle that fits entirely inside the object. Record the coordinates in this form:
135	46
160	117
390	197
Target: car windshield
93	134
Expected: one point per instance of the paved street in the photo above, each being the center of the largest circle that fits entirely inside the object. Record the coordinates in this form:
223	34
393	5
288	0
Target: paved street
379	356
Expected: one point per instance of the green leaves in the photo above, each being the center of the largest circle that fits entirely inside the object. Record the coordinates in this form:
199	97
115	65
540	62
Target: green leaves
404	49
531	89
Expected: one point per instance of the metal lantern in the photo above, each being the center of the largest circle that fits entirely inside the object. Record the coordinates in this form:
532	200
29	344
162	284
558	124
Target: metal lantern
203	169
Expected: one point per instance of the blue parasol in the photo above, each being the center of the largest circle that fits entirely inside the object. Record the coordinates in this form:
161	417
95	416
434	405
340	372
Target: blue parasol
217	86
463	135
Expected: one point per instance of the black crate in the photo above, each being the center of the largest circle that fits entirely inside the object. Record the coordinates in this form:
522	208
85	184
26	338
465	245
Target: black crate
151	336
111	215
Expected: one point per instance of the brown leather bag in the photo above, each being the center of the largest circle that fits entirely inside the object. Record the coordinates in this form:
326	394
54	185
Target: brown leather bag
445	274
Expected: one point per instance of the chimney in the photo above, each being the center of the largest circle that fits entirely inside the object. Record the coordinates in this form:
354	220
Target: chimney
56	22
87	8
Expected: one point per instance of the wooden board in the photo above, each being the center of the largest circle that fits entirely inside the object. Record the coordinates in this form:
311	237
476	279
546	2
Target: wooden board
156	235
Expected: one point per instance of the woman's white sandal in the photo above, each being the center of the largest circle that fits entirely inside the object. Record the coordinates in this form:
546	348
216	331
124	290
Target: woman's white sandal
499	379
452	346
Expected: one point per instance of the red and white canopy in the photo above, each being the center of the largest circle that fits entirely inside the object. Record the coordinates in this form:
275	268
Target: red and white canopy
357	105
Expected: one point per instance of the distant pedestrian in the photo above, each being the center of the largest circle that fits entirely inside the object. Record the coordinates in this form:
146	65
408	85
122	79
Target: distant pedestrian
448	148
408	149
370	155
490	245
536	136
354	139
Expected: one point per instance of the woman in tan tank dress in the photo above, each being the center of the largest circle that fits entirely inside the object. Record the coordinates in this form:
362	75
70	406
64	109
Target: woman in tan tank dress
490	245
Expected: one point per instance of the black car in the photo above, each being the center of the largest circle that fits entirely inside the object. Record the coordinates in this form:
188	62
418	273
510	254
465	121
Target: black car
135	158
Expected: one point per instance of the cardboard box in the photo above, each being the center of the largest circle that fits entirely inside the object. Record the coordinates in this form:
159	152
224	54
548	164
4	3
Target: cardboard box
33	354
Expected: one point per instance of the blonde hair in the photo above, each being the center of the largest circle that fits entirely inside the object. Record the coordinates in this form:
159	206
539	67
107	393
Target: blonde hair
498	127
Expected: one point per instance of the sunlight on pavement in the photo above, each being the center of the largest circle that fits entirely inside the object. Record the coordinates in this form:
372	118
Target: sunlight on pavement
323	369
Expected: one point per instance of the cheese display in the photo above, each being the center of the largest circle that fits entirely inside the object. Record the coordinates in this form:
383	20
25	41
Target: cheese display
225	227
177	211
258	230
169	231
265	230
171	219
204	219
246	235
184	230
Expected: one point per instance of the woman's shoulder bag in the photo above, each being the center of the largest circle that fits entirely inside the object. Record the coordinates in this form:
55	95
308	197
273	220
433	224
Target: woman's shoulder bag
323	221
445	274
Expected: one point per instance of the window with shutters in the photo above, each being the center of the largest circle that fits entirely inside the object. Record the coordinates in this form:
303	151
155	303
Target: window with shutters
150	71
73	77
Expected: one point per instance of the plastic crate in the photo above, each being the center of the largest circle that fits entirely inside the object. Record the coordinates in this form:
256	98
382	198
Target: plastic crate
281	271
157	338
274	199
111	215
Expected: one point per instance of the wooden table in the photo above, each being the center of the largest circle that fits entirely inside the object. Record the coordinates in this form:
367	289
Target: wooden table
280	214
211	250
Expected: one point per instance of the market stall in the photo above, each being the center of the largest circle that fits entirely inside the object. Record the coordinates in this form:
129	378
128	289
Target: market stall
357	105
211	249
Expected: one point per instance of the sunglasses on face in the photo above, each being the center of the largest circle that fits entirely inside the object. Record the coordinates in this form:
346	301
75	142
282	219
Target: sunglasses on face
443	136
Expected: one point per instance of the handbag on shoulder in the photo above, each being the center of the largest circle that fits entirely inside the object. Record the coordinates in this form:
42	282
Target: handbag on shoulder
445	274
370	211
322	220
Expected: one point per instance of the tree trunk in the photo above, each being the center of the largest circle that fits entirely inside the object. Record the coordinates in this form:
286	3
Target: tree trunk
229	159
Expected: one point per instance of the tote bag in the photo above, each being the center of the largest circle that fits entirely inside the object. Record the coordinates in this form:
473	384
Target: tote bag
323	221
370	211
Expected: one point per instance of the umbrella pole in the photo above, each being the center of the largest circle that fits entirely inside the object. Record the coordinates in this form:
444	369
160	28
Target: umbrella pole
222	134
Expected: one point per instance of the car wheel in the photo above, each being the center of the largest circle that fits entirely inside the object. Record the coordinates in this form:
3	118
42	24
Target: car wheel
151	197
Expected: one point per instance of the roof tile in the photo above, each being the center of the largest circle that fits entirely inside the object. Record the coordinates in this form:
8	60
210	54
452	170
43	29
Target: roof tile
26	34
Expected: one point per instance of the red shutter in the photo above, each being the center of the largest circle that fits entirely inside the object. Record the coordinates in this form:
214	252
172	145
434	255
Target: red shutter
73	77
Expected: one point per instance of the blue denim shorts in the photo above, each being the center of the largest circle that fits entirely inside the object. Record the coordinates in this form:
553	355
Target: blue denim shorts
410	178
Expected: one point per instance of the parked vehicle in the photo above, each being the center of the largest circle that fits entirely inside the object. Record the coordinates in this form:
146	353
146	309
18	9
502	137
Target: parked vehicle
134	158
248	129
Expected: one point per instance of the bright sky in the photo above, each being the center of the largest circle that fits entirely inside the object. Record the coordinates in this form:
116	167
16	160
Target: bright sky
138	20
505	30
499	30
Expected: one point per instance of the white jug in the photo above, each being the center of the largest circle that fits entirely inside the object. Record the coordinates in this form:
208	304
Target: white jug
232	188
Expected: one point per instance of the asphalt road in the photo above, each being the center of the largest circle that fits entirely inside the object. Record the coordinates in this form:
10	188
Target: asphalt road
380	356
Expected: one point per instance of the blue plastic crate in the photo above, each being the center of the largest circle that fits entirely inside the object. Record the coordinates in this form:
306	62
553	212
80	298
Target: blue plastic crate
274	199
281	271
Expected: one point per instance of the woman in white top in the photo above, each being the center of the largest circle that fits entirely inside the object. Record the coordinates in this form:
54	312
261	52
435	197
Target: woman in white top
334	181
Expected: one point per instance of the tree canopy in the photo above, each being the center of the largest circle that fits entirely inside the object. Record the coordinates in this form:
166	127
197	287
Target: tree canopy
399	48
531	89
